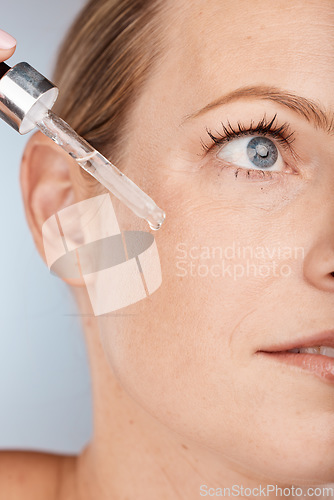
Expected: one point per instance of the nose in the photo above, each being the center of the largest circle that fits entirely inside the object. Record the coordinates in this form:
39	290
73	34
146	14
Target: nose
319	264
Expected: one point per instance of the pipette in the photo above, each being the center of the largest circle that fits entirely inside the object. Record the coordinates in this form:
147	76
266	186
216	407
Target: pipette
26	99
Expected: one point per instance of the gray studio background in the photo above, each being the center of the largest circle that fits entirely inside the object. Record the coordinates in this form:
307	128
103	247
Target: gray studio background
45	389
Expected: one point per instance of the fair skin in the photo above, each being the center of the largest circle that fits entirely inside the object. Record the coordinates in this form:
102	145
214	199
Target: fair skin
180	397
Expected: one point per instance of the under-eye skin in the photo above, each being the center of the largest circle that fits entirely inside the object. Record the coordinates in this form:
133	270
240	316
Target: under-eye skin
269	140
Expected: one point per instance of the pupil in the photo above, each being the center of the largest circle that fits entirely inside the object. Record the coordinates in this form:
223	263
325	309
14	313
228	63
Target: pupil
262	152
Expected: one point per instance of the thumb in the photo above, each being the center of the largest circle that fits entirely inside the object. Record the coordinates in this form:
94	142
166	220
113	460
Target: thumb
7	45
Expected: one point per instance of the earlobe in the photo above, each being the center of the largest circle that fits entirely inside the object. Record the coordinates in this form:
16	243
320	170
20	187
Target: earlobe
46	183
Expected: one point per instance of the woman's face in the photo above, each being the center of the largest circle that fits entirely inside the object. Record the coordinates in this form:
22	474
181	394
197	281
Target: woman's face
187	353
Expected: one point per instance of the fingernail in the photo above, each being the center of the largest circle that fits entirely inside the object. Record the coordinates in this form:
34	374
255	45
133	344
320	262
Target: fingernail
7	41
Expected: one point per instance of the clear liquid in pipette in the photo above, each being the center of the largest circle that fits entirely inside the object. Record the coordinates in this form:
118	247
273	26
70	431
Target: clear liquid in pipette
101	169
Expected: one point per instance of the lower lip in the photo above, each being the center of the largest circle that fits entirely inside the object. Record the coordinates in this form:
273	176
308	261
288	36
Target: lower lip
318	364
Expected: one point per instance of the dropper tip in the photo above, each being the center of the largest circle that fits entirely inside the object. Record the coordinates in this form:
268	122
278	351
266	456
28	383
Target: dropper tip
157	223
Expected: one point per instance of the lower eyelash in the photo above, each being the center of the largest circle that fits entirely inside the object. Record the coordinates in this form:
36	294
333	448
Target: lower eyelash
255	173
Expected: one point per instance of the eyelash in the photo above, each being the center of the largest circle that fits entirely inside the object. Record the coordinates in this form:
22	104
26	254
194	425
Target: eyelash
281	133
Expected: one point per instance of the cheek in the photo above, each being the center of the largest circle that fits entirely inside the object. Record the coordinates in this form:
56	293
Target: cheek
185	353
181	346
192	328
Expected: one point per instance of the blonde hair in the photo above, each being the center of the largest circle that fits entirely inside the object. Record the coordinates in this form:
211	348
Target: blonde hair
102	64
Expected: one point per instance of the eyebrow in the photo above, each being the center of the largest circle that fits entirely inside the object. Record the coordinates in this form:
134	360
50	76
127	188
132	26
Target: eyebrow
307	108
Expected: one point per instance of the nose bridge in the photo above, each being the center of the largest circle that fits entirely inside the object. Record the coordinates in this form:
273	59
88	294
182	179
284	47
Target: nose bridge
318	266
321	197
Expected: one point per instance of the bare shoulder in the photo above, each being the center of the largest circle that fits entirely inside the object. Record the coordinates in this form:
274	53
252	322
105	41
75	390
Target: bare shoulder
32	475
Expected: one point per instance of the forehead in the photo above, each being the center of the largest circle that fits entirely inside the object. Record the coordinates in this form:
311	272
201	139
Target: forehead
213	47
219	45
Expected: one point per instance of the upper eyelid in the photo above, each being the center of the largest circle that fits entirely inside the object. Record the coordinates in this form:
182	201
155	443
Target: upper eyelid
263	127
245	133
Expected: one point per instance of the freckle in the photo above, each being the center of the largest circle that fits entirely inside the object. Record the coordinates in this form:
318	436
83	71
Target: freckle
184	446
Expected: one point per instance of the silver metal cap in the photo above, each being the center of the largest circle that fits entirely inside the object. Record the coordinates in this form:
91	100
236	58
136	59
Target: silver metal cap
24	96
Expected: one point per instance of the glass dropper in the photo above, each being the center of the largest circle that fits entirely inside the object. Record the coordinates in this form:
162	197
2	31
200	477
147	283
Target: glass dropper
101	169
26	99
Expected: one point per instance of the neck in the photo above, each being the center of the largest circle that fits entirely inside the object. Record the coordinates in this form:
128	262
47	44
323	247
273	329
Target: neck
132	455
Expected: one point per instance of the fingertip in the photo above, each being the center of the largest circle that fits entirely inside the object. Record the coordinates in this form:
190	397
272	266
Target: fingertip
6	54
7	45
7	41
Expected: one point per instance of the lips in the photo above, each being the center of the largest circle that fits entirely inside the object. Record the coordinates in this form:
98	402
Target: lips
320	364
325	338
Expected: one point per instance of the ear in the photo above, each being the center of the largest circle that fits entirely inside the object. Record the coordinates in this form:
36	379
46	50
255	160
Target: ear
46	180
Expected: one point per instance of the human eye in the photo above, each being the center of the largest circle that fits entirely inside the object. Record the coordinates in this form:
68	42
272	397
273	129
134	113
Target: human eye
266	154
